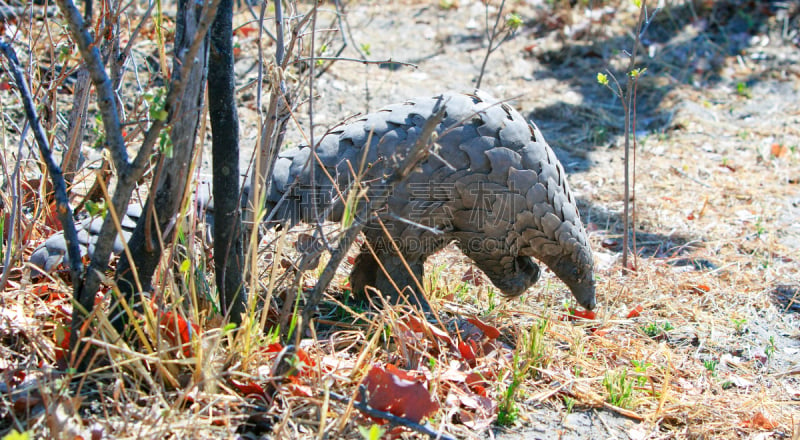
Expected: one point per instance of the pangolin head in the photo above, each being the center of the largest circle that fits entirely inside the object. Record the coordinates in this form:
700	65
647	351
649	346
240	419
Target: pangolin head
577	272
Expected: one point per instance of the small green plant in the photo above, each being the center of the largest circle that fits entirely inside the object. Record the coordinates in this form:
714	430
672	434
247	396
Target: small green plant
491	299
760	228
569	403
739	325
434	278
743	90
507	411
462	292
640	367
14	435
535	348
96	209
627	98
158	102
620	389
770	349
711	366
98	132
655	329
374	432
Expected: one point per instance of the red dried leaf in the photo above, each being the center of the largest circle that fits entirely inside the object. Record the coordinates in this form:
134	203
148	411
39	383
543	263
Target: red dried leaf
245	31
635	312
179	331
477	383
759	421
585	314
779	150
490	331
472	276
467	351
275	347
418	326
411	376
404	398
248	388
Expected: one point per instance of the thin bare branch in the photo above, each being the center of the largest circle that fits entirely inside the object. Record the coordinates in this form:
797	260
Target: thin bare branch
63	210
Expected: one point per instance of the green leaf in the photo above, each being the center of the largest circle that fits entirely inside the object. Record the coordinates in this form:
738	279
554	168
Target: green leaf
638	4
602	78
165	142
374	432
185	265
513	21
96	208
14	435
636	73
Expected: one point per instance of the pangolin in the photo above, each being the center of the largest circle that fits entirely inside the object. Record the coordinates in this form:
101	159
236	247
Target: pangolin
491	184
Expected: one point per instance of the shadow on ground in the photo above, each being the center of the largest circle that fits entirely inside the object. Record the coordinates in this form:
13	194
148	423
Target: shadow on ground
683	44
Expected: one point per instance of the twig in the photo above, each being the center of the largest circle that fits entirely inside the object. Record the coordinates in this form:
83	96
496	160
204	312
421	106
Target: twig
63	209
492	35
364	407
622	411
105	93
354	60
12	218
694	179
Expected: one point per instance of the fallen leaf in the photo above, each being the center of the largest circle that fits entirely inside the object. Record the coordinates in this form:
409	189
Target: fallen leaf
779	150
759	421
405	398
635	312
467	352
245	31
584	314
472	276
248	388
179	331
490	331
477	381
417	325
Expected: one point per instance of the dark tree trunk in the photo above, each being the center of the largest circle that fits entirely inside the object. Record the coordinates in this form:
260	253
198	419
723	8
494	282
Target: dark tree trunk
228	252
172	173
